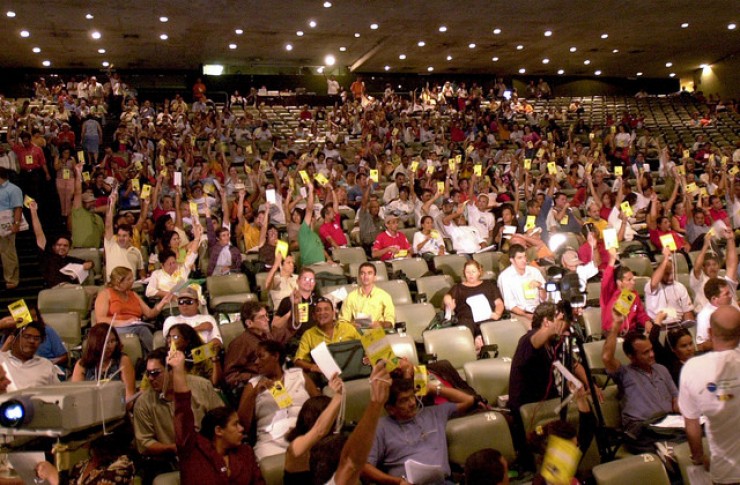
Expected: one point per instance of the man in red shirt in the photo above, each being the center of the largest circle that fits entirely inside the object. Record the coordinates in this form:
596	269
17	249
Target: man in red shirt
390	243
32	164
717	212
611	290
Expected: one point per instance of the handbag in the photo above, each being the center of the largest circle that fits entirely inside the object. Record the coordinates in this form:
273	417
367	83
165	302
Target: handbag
349	357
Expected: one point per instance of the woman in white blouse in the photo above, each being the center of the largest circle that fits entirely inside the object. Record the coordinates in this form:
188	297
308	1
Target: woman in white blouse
171	274
428	242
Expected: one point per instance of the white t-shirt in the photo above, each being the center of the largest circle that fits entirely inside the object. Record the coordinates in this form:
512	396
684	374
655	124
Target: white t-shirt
482	221
194	321
511	285
115	256
674	296
710	386
465	239
697	284
35	372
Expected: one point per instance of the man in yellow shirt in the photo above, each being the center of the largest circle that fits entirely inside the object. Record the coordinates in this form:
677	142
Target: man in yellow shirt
368	306
326	330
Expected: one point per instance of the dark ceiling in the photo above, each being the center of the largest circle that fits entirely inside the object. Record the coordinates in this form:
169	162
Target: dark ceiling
642	36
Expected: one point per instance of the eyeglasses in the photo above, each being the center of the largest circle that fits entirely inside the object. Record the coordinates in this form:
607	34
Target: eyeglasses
174	337
185	301
154	372
308	279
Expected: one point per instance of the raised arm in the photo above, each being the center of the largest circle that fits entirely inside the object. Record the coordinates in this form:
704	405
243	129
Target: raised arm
611	363
112	199
37	229
660	270
323	425
731	265
308	217
699	263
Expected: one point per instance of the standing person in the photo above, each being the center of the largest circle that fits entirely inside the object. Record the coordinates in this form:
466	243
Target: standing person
91	136
64	165
11	215
332	87
358	88
32	163
709	387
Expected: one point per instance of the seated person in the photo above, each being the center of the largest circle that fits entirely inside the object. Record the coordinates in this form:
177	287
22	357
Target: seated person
331	232
119	248
104	344
186	339
288	313
664	293
281	279
23	367
154	427
217	450
173	273
204	324
326	330
465	238
224	257
409	434
718	293
486	467
522	286
678	348
647	388
258	406
368	302
391	243
612	285
707	265
428	243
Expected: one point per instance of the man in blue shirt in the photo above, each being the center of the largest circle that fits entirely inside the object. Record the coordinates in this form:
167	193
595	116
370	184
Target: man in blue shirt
11	203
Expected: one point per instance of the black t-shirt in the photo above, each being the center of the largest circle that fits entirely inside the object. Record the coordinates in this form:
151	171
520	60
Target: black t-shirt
286	305
460	293
52	263
530	374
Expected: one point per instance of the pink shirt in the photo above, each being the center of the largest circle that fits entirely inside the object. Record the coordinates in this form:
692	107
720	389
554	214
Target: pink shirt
385	240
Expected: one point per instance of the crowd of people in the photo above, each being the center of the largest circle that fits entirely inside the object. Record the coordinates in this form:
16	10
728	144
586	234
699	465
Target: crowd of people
187	191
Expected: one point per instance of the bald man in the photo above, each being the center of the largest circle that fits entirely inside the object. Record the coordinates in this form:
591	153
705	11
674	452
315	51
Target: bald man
710	386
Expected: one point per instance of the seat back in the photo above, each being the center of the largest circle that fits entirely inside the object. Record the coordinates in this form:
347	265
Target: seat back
381	271
489	260
593	354
640	266
132	347
261	281
505	334
272	469
592	321
417	317
230	331
490	377
434	288
357	395
451	264
472	433
645	468
64	299
67	325
413	268
171	478
345	256
682	453
540	413
640	282
403	345
454	344
232	284
398	289
93	255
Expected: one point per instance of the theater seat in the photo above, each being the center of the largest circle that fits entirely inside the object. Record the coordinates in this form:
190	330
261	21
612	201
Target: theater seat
398	289
272	469
540	413
67	325
381	271
490	377
230	331
404	346
357	397
472	433
417	317
132	347
682	453
434	288
451	264
505	334
172	478
65	299
454	344
228	293
645	468
413	268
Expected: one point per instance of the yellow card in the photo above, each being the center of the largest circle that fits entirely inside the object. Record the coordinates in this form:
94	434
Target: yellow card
247	169
610	238
530	292
377	347
86	176
162	142
146	189
395	131
681	169
402	253
414	166
530	145
589	167
396	159
291	183
549	136
135	185
531	223
469	149
451	164
280	395
66	174
691	188
723	160
321	179
138	165
164	173
458	159
248	149
564	221
711	158
430	169
193	210
303	312
618	172
624	302
304	177
440	187
686	154
434	234
734	170
374	175
421	380
703	192
369	137
613	129
27	202
204	352
552	169
667	241
561	461
19	311
590	136
627	209
478	170
281	248
29	159
81	156
540	153
527	164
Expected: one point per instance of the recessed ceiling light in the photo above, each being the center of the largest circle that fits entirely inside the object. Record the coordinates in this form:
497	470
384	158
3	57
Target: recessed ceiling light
105	63
731	26
232	46
496	31
164	19
89	16
421	43
387	68
615	51
329	60
312	24
25	33
442	28
238	31
471	45
342	49
327	4
668	64
561	71
288	47
545	61
522	71
704	66
587	62
449	58
673	74
519	47
36	50
164	36
357	34
402	56
299	33
10	14
101	51
685	25
96	35
573	49
604	36
597	73
320	69
46	63
374	26
430	69
548	33
494	59
639	73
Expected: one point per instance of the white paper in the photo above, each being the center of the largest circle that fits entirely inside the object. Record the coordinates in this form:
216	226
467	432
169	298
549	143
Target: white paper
567	374
698	475
323	358
177	179
421	474
76	271
304	192
509	229
675	421
280	424
480	307
24	463
270	196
